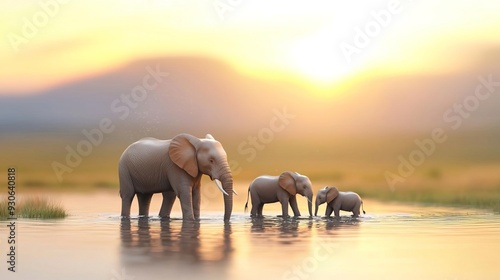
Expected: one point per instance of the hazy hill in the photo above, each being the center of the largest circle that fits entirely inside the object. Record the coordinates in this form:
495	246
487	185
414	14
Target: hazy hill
352	138
198	93
206	95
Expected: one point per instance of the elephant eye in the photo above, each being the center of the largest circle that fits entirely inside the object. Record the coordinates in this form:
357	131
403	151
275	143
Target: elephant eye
212	161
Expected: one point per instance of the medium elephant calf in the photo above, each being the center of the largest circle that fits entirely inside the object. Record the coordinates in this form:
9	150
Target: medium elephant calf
282	188
336	201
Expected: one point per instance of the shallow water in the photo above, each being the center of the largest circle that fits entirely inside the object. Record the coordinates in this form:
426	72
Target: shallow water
392	241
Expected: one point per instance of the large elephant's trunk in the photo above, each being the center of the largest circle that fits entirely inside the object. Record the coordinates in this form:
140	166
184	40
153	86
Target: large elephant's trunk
309	202
317	206
227	184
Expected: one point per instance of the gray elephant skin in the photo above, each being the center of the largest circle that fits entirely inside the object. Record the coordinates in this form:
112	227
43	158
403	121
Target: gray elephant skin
174	168
336	201
282	188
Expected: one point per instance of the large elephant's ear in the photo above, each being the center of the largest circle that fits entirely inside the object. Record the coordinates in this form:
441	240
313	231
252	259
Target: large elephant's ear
287	182
331	194
183	154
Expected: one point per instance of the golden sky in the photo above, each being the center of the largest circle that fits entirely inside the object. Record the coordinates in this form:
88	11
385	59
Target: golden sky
48	42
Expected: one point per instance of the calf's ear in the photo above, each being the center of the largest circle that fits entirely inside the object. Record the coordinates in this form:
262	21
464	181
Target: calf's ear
287	182
331	194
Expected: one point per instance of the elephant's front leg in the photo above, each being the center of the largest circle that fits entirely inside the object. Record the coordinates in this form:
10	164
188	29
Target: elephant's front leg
196	201
186	198
167	204
295	207
336	210
284	208
329	210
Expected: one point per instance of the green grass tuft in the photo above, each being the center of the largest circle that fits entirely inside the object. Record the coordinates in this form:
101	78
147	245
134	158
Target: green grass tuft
3	210
33	208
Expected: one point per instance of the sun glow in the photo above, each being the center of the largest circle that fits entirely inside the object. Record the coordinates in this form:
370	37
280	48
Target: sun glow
262	38
318	66
318	60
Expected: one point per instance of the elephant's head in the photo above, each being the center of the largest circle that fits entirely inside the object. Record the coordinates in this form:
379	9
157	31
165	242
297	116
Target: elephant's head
204	156
326	194
295	183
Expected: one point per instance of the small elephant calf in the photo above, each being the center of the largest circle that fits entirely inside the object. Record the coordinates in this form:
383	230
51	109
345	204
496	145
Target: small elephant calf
336	201
283	188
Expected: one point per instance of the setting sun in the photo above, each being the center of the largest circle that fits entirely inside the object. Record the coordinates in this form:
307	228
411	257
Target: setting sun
307	46
318	61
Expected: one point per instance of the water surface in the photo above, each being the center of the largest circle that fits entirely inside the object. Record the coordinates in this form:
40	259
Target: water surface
392	241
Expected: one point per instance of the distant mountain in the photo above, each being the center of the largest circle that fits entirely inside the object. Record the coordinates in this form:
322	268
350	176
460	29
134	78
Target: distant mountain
198	93
201	94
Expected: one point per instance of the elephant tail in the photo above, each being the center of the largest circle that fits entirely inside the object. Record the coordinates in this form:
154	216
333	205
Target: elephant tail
363	207
246	204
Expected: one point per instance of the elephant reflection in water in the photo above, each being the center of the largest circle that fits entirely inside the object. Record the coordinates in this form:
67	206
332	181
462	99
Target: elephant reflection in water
166	241
280	228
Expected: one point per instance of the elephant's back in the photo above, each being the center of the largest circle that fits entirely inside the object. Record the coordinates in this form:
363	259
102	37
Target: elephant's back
352	194
264	181
266	187
145	150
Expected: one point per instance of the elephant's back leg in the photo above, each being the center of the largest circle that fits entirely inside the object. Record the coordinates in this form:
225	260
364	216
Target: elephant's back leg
144	202
127	191
260	209
356	210
126	204
255	203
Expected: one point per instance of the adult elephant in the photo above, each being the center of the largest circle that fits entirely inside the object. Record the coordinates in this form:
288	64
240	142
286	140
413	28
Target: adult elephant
174	168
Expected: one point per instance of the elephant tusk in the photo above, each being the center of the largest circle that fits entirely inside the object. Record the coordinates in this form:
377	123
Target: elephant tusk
235	192
217	182
308	199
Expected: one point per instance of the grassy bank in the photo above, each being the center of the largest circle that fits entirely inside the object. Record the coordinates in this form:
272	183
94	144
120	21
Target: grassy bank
482	200
33	208
463	172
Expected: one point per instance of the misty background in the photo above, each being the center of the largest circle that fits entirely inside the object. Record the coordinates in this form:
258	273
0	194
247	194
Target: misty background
361	131
270	80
